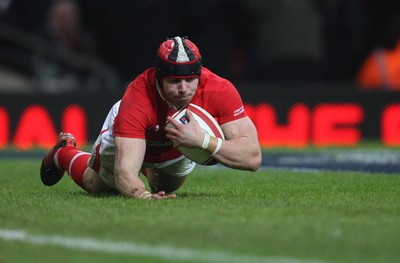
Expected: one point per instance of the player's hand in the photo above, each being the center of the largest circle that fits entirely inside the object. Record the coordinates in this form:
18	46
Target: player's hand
158	196
189	135
163	195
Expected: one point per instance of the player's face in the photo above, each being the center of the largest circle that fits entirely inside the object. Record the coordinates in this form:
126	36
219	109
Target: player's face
180	91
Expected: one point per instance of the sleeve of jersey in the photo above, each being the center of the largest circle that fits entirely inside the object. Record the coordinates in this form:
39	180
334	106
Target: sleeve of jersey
132	120
230	104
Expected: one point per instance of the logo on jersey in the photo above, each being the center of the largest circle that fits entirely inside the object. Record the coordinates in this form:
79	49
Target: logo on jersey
184	119
158	143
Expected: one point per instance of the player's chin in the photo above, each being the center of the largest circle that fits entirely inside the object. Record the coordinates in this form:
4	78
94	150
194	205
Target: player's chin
182	100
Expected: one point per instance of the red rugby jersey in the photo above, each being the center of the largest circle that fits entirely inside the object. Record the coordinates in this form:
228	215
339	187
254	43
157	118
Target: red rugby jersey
142	113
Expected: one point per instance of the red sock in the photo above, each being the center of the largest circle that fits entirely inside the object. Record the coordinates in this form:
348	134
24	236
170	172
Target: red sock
74	162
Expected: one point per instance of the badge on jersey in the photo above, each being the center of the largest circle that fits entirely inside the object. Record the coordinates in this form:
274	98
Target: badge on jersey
184	119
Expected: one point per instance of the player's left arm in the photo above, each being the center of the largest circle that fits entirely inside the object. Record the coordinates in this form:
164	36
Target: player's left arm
240	149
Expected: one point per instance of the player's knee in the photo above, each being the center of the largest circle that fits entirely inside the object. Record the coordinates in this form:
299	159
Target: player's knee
88	179
92	182
159	181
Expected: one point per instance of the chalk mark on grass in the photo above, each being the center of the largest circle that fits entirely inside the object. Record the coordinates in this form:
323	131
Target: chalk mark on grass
130	248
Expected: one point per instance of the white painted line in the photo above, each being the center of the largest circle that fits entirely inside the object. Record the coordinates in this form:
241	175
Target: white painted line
129	248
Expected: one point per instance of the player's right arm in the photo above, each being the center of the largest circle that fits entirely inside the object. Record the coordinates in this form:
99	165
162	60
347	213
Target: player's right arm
129	155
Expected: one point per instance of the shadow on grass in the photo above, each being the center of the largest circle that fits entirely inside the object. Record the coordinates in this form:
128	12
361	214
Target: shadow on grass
98	195
179	195
201	195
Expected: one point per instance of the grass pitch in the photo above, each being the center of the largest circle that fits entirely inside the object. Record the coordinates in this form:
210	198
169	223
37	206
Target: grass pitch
220	215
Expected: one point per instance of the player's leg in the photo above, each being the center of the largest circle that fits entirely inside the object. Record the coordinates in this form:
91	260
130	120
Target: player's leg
93	183
64	156
98	177
168	178
160	181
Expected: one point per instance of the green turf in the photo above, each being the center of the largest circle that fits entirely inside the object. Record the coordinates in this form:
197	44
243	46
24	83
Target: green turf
275	216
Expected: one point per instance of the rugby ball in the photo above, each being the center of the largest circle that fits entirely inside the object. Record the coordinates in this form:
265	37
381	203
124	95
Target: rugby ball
208	124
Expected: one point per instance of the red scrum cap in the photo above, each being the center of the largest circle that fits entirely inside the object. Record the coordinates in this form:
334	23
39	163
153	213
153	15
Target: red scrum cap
179	58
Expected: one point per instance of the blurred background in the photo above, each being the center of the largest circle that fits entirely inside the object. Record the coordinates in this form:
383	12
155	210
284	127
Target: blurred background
307	40
278	52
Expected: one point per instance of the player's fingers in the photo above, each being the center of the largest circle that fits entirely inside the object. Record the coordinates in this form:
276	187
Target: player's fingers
163	195
170	131
190	116
171	196
155	196
174	122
